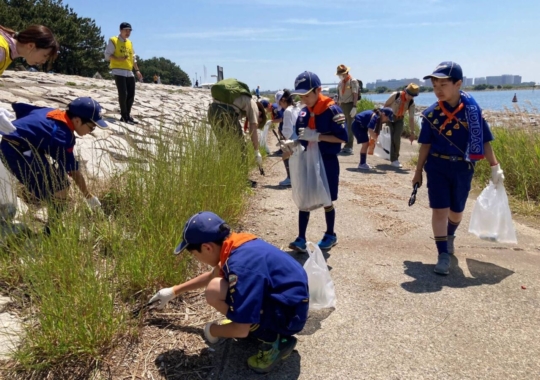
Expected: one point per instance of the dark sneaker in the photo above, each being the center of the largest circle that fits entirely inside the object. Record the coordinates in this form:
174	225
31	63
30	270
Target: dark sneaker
271	353
124	119
132	121
451	244
327	242
346	152
299	245
443	264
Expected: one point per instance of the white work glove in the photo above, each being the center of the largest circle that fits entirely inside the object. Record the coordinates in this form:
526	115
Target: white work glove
353	112
209	337
497	175
6	127
162	298
288	145
258	157
93	202
308	134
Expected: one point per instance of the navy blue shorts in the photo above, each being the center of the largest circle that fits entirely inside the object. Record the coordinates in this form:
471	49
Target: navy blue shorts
283	320
331	166
448	183
34	171
360	133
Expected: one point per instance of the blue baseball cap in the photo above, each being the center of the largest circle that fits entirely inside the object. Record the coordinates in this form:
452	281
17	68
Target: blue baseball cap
204	227
305	83
447	70
87	108
388	112
265	103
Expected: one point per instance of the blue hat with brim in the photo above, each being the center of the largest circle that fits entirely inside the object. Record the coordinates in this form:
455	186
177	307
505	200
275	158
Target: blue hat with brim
203	227
388	112
305	83
87	108
447	70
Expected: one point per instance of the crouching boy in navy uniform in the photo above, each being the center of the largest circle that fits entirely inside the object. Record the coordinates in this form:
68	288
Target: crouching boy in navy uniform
42	132
453	136
324	117
261	289
369	121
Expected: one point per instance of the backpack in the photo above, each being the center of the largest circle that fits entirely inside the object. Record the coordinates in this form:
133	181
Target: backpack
227	90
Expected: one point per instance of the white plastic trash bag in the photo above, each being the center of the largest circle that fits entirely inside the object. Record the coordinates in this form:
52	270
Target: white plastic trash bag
262	136
309	183
491	218
321	287
382	148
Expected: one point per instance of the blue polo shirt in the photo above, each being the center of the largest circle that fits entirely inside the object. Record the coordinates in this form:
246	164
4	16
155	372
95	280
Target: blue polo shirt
48	136
330	122
261	279
454	139
276	112
366	119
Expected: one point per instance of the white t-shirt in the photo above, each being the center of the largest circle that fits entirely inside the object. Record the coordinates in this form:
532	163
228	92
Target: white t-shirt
289	121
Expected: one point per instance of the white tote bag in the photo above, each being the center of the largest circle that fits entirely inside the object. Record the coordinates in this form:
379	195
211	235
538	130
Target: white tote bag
309	183
382	148
321	287
491	218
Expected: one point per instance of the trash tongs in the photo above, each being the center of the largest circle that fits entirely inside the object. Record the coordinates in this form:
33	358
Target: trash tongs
412	199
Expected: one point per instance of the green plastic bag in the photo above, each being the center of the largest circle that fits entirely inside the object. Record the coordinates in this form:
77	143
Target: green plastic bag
228	90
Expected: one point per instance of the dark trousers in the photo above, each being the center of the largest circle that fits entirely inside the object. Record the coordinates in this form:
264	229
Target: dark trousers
126	94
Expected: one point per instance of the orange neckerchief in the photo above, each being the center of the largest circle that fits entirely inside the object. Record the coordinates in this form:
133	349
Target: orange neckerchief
401	111
449	115
344	81
63	117
231	243
323	103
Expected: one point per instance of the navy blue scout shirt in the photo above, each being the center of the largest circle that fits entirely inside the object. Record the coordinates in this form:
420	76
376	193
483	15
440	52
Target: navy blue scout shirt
454	139
46	135
330	122
367	119
262	278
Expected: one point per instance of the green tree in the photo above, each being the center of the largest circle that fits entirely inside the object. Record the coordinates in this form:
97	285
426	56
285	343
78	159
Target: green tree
80	39
169	72
381	90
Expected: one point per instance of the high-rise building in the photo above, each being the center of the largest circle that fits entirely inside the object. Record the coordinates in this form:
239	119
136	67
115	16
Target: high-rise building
467	82
507	79
494	80
517	79
480	80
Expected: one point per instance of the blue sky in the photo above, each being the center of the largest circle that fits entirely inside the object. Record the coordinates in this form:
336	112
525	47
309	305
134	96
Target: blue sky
268	43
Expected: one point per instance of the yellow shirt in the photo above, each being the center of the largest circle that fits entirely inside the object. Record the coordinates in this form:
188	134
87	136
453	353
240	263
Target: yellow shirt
7	60
122	49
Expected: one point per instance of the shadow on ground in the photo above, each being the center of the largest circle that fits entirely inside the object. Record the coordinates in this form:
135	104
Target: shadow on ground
177	365
426	281
388	167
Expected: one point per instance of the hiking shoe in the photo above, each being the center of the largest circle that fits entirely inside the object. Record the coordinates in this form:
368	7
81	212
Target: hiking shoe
364	167
132	120
396	164
451	244
346	152
327	242
299	245
443	264
271	353
285	183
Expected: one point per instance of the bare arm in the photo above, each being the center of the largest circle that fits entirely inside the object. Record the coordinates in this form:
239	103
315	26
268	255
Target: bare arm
390	100
198	282
331	139
254	136
78	178
490	154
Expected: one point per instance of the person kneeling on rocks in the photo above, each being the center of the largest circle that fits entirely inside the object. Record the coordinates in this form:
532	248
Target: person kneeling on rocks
43	133
260	289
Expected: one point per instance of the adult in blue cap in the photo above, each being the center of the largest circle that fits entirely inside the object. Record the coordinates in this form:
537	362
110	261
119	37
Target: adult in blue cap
262	290
42	133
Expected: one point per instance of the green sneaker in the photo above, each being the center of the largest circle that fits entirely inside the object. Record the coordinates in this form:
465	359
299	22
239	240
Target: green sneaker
271	353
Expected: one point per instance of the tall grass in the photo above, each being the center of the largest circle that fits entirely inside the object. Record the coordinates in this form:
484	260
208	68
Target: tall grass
77	286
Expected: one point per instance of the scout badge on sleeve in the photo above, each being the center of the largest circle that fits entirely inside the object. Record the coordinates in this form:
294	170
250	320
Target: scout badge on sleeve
412	199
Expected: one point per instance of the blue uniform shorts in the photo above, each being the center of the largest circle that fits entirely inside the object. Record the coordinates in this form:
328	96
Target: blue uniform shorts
361	134
448	183
281	319
331	166
33	170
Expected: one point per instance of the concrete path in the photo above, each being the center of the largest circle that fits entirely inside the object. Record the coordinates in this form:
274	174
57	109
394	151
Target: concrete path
395	318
